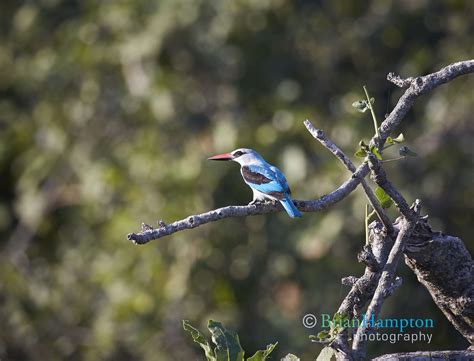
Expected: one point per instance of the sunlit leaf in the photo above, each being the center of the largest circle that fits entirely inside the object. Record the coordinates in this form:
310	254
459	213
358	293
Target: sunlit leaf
199	338
374	150
262	355
360	153
323	335
399	139
383	198
360	105
227	343
338	317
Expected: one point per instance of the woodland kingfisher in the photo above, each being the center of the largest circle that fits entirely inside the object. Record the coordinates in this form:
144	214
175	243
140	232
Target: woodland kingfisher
265	180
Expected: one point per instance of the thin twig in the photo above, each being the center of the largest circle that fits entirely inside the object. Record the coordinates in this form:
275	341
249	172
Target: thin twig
374	118
392	160
398	81
366	224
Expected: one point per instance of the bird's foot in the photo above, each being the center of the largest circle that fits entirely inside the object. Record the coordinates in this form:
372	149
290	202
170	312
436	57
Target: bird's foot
260	202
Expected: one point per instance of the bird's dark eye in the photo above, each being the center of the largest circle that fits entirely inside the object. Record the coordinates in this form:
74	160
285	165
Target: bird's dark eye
238	154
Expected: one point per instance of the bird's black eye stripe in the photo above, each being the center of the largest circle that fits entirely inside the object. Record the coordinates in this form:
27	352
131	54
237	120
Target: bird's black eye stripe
238	154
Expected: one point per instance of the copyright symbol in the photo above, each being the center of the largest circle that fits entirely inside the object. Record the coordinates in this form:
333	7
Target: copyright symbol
309	320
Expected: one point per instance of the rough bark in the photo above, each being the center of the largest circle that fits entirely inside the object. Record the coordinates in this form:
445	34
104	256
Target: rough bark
374	256
385	282
428	356
444	266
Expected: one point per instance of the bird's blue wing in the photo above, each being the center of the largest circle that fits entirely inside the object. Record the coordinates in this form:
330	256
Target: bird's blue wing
281	179
264	180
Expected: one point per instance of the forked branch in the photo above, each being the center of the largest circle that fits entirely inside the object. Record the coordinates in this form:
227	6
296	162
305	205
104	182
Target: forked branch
416	87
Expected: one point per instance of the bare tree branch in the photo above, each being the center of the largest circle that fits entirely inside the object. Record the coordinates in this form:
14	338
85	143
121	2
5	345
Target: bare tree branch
363	289
418	86
319	135
452	290
398	81
378	175
384	286
387	280
251	210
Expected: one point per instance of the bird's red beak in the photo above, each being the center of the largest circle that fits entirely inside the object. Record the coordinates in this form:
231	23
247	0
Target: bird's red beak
224	156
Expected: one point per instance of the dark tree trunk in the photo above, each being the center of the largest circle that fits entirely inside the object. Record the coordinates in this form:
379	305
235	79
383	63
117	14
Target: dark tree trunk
444	266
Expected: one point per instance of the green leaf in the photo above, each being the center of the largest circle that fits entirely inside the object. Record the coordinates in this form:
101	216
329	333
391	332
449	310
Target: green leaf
361	106
405	151
290	357
399	139
374	150
227	343
263	354
199	338
360	153
389	140
339	317
323	335
383	197
326	354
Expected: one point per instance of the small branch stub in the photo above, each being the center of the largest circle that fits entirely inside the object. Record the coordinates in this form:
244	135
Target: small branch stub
398	81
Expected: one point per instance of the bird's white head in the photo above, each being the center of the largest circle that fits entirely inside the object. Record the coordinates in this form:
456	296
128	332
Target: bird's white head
243	156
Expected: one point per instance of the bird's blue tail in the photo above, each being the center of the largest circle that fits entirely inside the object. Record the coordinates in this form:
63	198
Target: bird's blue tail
290	208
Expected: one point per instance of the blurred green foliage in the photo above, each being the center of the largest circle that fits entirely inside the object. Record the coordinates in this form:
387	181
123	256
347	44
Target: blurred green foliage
108	111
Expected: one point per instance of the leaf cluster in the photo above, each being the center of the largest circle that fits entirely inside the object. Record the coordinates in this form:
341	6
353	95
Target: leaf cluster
227	344
336	326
